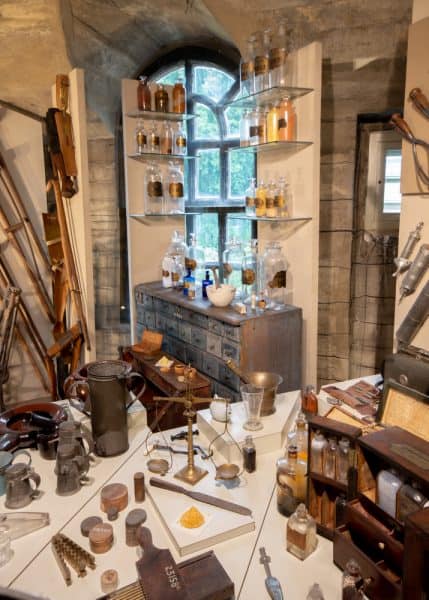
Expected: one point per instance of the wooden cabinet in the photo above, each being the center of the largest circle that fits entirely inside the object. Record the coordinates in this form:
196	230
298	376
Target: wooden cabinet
196	332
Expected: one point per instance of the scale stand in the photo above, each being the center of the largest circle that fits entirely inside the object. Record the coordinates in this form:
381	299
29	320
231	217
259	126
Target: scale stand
191	473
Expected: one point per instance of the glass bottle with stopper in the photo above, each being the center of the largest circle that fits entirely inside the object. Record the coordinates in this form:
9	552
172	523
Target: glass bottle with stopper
301	539
161	99
275	269
179	140
291	482
251	198
278	56
232	259
247	68
179	97
309	401
249	272
299	437
154	193
195	260
249	454
141	138
176	252
144	96
175	187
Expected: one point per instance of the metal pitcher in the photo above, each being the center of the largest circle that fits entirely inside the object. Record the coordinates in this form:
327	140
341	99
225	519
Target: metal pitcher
21	485
109	399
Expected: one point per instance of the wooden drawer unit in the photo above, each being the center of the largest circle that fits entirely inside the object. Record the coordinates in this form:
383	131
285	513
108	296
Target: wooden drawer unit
205	336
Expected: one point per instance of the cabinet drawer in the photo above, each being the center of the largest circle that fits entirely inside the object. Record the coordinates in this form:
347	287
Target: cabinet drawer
198	337
147	301
226	392
176	311
231	332
139	330
216	326
227	377
140	313
177	349
171	326
149	319
184	331
163	306
194	357
160	321
214	344
195	318
210	366
230	350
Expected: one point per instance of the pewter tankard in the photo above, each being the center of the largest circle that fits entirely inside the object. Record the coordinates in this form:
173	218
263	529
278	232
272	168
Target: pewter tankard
19	489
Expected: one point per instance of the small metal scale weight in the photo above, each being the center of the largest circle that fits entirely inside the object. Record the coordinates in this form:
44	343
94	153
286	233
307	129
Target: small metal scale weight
192	473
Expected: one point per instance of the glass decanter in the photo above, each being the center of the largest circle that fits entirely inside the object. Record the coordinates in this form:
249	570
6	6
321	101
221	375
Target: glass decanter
141	138
301	538
275	269
343	460
291	481
330	459
249	272
232	259
318	445
154	196
175	187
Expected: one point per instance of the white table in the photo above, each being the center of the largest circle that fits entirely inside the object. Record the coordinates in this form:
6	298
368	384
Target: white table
33	568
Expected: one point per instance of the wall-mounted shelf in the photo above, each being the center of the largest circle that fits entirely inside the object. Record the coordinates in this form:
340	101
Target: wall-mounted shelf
142	217
144	156
269	96
159	116
286	147
270	219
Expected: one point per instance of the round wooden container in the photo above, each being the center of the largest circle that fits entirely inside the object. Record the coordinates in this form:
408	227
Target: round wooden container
88	523
101	538
134	519
114	495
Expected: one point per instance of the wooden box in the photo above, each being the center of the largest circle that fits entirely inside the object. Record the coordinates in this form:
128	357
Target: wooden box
382	545
322	491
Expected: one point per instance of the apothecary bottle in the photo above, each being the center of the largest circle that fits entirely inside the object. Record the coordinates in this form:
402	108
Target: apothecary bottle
270	207
278	56
309	401
301	539
245	129
262	125
275	270
161	99
249	271
251	198
249	454
291	481
166	138
253	127
154	193
409	499
179	97
352	581
330	459
287	120
195	260
299	437
260	199
318	445
247	68
343	460
232	259
179	140
175	187
153	141
189	285
141	138
144	96
282	200
272	124
388	484
177	251
261	61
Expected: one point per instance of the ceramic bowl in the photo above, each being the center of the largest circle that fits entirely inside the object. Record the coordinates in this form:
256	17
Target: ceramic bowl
221	296
220	409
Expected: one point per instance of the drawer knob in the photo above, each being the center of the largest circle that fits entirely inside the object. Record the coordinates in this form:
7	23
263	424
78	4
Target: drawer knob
381	545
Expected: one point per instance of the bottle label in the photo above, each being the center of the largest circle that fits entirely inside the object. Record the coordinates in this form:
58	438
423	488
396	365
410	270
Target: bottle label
141	138
261	132
278	281
279	201
175	276
248	276
277	57
154	189
176	190
296	538
181	141
250	201
246	70
254	131
269	202
282	123
154	139
190	263
165	273
259	202
227	269
261	65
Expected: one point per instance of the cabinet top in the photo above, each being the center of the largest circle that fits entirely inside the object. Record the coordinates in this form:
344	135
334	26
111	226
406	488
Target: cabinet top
228	315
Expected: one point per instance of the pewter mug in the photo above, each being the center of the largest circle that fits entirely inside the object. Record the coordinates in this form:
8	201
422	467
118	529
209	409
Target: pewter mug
6	459
71	470
22	484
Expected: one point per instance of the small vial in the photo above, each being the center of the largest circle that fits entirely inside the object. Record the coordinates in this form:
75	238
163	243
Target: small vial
249	455
139	489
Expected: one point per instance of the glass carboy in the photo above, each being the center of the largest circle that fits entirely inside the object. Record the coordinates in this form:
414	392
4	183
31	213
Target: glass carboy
154	195
274	275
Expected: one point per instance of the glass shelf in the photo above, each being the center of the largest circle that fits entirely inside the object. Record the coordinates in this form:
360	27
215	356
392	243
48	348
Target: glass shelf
159	116
143	156
269	96
143	217
245	217
288	147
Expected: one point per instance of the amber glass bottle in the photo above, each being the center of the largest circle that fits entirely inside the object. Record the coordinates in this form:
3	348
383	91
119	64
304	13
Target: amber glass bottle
144	97
161	99
179	97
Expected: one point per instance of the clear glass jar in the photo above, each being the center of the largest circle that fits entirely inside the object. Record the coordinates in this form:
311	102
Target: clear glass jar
247	68
262	125
249	272
250	198
318	445
343	460
282	199
161	99
330	459
195	260
179	97
301	539
177	251
167	270
153	142
275	270
260	199
166	138
154	194
287	120
270	207
278	56
388	484
232	259
141	138
144	96
253	127
261	60
245	129
175	187
291	481
179	140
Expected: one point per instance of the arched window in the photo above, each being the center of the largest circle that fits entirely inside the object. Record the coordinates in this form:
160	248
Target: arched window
216	181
